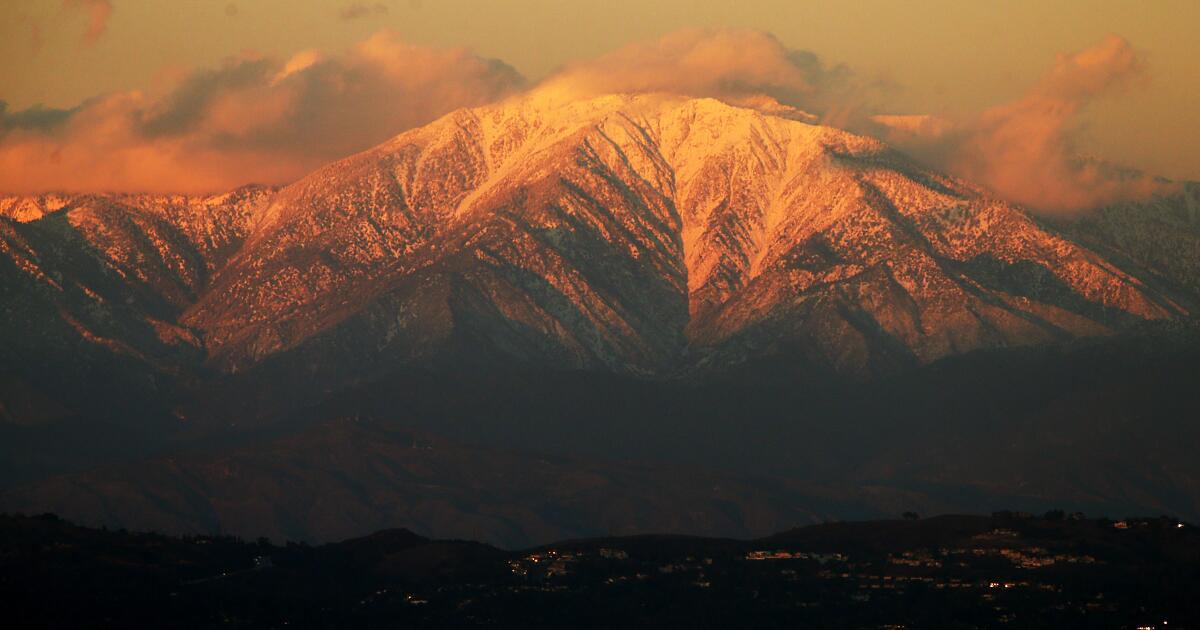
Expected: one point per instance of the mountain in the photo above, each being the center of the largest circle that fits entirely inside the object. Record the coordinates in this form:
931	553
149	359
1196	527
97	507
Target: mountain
1157	239
646	278
646	235
639	234
517	459
362	475
91	294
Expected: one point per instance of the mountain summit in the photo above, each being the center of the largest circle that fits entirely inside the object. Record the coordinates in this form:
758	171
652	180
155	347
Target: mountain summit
647	234
621	277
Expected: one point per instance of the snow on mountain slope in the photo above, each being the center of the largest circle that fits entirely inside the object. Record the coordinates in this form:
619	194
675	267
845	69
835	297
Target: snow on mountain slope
646	234
26	208
1159	238
103	276
625	232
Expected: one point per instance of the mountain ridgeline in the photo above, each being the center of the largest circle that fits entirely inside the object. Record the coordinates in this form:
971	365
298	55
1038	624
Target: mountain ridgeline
650	242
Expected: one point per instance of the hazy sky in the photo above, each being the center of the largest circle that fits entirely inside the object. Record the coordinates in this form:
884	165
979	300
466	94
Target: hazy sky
949	57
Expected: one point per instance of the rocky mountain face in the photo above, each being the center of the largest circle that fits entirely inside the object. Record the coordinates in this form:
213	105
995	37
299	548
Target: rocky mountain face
1159	239
648	235
652	237
91	293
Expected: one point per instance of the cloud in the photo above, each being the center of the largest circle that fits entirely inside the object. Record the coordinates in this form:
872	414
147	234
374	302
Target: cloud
98	12
270	120
729	64
1025	150
360	10
34	118
251	119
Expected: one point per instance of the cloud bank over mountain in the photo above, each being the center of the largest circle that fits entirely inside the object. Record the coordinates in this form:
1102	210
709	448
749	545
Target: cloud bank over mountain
728	64
252	119
1024	150
270	120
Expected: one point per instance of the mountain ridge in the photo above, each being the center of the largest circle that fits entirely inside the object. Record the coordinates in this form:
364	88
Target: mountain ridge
652	234
627	254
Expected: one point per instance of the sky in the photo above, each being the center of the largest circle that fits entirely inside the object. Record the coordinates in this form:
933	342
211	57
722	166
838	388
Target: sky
76	72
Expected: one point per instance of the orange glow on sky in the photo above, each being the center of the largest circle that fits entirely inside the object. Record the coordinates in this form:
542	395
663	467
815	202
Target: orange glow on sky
292	84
